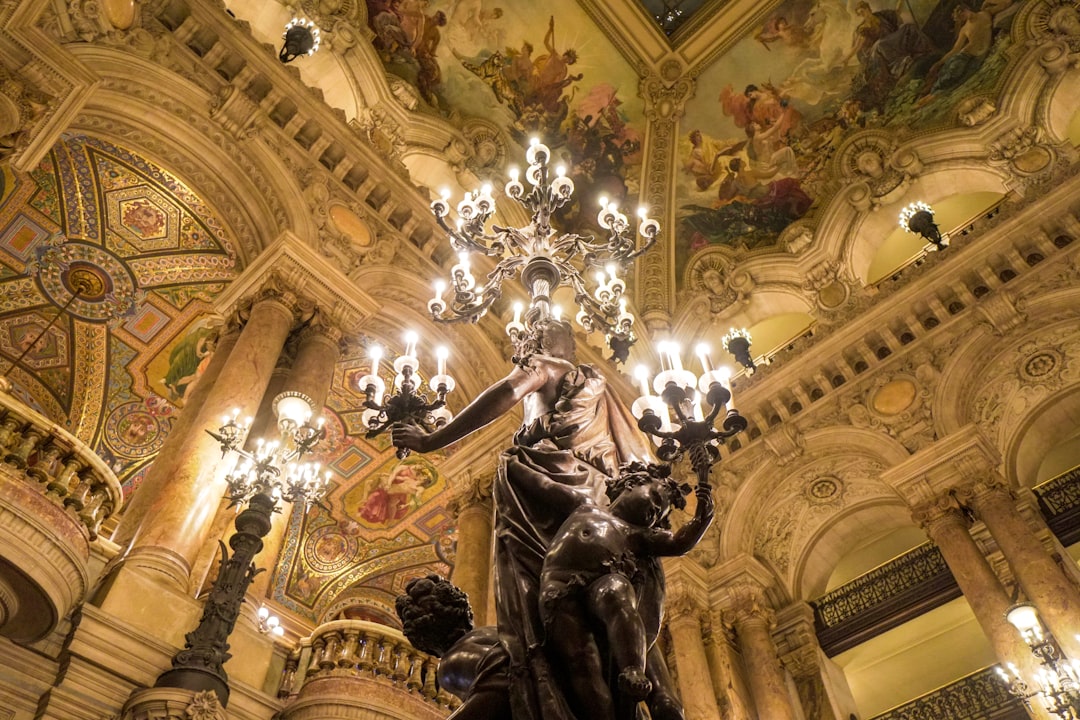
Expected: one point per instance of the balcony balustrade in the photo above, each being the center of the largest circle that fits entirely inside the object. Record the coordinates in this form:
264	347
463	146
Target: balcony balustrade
55	493
355	662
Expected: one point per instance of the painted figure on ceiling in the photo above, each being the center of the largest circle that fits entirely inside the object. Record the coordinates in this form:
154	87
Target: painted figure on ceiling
973	41
397	493
188	360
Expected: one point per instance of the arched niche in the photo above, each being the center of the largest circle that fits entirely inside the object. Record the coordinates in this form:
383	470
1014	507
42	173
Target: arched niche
853	543
936	186
1052	426
901	248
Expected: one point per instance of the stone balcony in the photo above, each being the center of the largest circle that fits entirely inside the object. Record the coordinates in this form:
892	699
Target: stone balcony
366	666
54	495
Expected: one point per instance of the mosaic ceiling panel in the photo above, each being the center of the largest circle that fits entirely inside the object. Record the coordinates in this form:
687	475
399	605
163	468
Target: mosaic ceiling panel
107	264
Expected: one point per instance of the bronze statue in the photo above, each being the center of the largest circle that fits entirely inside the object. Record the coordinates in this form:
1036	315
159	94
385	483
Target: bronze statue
595	571
437	619
574	436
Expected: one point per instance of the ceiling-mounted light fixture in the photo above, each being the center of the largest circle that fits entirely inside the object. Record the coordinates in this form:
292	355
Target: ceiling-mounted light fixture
301	38
918	219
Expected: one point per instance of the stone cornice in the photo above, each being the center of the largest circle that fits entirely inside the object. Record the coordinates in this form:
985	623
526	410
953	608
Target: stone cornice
952	461
307	274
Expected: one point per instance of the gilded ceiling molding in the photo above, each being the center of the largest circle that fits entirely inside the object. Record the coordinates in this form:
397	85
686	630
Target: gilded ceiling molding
665	97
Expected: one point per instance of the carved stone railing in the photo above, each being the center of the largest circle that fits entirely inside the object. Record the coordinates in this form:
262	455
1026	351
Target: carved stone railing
363	664
55	493
978	696
54	461
884	598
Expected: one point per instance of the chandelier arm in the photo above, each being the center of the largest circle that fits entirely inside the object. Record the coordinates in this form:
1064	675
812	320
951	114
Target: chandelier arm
461	241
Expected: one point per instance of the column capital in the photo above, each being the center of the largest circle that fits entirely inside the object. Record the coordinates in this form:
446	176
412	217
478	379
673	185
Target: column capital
323	326
750	606
683	606
940	511
963	457
470	491
291	265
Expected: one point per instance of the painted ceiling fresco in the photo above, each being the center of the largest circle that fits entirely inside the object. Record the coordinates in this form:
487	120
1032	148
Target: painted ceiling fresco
531	68
761	137
383	524
108	259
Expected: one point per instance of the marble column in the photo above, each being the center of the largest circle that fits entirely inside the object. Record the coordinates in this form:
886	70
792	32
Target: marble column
820	684
317	352
185	492
1042	579
725	667
946	525
179	435
694	678
753	622
472	506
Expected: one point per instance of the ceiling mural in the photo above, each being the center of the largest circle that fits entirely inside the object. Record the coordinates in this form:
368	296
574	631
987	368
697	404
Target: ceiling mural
533	69
762	135
383	524
106	259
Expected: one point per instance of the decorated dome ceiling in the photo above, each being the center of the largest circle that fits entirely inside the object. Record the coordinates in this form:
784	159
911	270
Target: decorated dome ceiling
112	262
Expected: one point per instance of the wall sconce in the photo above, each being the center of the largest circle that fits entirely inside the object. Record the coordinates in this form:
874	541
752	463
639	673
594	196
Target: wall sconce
737	342
301	38
1057	682
269	623
918	219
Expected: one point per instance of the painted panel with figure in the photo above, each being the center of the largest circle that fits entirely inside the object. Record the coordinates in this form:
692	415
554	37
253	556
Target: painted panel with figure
532	70
768	117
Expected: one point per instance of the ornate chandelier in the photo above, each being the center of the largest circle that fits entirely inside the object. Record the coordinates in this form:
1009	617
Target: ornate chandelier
545	258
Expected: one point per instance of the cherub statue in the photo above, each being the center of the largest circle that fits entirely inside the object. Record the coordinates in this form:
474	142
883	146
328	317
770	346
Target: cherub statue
601	572
474	666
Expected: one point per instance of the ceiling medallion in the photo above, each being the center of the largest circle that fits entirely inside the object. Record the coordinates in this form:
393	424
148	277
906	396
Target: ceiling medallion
824	490
1040	365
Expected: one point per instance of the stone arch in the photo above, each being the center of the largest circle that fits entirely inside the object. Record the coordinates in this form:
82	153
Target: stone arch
154	111
838	452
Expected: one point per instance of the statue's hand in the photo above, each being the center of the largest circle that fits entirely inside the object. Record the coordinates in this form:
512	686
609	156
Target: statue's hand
411	437
705	505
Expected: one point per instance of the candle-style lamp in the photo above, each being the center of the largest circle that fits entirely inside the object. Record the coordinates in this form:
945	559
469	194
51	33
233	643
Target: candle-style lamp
405	403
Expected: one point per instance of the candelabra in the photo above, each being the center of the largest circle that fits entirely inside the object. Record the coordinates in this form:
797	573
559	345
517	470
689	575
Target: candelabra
918	219
272	471
1057	682
737	342
546	259
675	417
405	404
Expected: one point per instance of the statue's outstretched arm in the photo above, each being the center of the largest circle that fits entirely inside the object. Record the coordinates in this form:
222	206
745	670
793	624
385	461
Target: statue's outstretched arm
667	544
488	406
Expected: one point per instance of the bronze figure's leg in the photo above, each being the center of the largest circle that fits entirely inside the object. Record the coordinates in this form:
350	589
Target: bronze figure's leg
613	601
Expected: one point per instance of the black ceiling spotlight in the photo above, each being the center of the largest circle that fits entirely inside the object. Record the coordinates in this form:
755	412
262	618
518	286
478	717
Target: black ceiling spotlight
737	342
918	218
301	38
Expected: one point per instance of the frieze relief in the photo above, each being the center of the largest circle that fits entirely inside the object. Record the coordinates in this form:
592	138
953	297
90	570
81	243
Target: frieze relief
714	278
